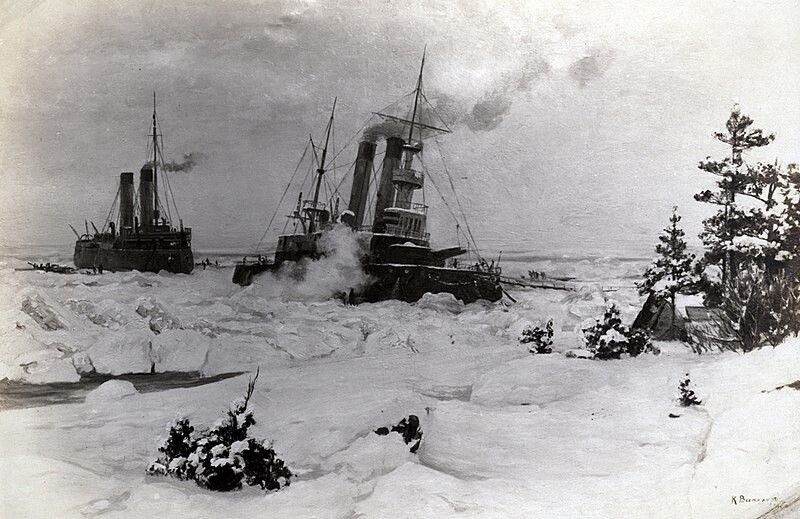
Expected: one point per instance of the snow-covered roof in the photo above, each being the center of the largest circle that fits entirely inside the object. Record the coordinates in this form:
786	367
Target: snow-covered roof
682	301
702	313
409	244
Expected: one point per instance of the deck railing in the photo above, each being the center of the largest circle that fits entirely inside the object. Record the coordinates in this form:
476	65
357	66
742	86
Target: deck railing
396	230
411	206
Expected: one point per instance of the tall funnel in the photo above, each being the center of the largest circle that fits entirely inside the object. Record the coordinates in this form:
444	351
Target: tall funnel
391	161
126	200
146	196
360	190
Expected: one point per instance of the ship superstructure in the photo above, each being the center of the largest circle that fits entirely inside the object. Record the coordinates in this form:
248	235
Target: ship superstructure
400	262
142	235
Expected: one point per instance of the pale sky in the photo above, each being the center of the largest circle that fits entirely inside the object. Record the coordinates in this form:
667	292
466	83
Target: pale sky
577	126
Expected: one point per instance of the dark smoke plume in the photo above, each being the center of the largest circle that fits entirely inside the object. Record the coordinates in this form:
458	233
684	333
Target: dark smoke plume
189	162
385	129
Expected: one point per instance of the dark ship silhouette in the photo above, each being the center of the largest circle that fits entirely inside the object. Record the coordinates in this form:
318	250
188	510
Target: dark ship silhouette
143	240
400	263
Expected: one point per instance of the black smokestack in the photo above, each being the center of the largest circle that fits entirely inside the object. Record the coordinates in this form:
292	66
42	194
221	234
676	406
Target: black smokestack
385	197
360	190
146	195
126	200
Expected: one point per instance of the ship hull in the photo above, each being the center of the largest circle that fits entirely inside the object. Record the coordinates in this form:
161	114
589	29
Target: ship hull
243	273
401	282
410	282
93	255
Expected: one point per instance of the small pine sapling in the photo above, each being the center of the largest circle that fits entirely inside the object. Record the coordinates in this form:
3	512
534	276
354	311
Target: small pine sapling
539	340
610	339
222	457
687	398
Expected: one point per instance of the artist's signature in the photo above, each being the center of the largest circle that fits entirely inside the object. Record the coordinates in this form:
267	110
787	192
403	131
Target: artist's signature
743	499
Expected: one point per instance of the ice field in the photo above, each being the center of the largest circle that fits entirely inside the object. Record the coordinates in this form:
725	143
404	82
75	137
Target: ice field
505	433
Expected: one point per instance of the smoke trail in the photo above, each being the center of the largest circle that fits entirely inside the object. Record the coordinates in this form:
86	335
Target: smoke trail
189	162
488	112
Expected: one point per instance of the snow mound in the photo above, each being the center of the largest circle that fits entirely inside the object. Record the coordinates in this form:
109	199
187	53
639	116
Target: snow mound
179	350
536	381
120	352
751	436
370	457
740	378
442	302
27	359
53	368
755	407
110	391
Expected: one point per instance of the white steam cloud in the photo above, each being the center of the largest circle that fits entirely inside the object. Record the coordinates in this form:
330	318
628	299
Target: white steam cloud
318	280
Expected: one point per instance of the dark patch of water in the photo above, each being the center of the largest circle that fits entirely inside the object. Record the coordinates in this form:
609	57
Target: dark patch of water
19	395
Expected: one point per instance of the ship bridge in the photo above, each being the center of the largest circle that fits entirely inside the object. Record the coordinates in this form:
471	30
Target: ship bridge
407	222
316	212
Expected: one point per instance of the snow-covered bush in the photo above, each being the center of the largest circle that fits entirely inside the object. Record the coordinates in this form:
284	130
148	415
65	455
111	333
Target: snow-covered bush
687	398
610	339
408	428
221	457
539	340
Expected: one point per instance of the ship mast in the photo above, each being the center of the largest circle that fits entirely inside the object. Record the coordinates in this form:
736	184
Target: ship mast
156	213
416	96
321	170
405	179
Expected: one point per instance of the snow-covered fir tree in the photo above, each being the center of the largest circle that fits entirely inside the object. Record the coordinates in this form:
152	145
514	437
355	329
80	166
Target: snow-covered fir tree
610	339
738	230
789	221
754	239
673	270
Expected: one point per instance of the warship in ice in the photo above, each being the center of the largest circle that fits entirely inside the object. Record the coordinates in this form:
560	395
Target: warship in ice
142	236
400	262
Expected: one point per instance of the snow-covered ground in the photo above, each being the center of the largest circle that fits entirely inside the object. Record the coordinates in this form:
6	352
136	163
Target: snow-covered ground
506	434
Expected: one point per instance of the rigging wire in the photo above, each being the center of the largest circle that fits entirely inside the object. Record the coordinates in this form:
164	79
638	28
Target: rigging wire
353	137
438	116
277	207
344	177
458	201
166	180
455	218
111	211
